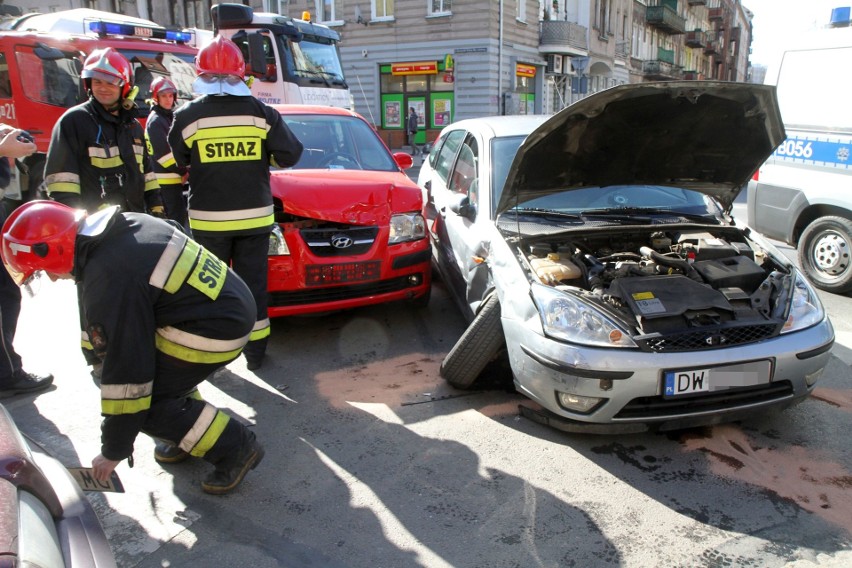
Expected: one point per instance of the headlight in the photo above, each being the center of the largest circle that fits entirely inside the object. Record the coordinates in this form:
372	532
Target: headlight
406	227
805	309
565	316
277	244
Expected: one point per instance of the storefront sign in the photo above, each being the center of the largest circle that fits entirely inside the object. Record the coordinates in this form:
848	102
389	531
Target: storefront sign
522	70
415	68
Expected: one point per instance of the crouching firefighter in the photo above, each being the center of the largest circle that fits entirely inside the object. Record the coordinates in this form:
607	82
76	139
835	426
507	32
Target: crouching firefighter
163	314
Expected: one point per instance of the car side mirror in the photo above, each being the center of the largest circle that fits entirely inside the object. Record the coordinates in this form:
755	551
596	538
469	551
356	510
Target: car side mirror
462	207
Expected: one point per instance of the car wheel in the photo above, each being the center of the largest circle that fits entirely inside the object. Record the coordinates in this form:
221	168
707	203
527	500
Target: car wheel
825	254
477	346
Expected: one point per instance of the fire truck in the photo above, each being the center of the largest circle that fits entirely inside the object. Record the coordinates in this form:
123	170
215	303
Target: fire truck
293	61
40	75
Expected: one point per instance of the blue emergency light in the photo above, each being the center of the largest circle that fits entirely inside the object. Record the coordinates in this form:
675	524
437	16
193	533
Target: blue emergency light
108	28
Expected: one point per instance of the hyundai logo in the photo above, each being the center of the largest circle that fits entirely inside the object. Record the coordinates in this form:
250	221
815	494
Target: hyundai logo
341	241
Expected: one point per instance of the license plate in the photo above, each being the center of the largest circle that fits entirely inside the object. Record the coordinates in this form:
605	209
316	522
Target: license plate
697	381
87	482
323	274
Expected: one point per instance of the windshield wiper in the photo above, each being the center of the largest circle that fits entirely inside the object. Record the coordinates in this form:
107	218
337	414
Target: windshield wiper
544	213
622	212
324	75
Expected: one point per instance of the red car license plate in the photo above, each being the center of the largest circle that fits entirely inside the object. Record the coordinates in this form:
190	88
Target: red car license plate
324	274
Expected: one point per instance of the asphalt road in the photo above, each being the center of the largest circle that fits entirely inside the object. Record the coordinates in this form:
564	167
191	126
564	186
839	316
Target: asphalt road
373	461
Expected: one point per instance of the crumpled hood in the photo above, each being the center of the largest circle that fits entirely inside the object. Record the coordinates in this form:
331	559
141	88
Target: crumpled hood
346	196
708	136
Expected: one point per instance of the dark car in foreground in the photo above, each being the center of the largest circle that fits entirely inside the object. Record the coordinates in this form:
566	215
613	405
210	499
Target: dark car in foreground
602	257
45	519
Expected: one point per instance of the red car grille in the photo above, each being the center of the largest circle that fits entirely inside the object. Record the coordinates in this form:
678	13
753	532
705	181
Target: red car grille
337	293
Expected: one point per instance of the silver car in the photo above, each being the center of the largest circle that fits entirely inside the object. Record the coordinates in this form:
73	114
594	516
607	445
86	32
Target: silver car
596	248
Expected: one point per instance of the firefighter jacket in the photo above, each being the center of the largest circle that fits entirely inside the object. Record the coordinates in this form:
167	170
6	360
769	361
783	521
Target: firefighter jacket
168	173
96	158
228	141
154	300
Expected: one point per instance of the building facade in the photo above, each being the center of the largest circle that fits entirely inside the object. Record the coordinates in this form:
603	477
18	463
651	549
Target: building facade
456	59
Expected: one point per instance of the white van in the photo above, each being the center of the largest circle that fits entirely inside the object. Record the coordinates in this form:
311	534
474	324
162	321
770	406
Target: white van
802	195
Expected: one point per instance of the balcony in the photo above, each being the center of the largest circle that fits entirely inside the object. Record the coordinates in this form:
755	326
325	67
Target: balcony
696	2
716	14
562	37
711	47
694	39
693	76
665	19
660	70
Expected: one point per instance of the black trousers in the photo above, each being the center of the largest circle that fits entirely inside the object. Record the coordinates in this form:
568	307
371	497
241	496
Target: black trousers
175	204
247	255
178	413
10	309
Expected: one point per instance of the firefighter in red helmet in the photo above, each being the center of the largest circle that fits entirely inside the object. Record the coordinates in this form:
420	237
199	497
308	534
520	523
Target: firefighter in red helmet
228	139
97	155
163	313
170	176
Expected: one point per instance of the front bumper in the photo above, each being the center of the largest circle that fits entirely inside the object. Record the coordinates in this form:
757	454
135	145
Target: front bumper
631	381
404	274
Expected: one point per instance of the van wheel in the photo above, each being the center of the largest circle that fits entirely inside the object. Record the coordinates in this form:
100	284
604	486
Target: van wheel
825	254
477	346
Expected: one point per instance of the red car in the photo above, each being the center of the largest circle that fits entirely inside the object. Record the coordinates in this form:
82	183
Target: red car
349	225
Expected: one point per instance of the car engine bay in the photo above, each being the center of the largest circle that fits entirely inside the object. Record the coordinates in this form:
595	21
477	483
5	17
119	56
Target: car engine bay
663	282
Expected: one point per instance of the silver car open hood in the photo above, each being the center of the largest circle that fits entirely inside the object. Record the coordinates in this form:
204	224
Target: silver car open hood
708	136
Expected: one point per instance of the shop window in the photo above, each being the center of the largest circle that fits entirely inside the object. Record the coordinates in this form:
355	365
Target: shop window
392	83
416	83
443	82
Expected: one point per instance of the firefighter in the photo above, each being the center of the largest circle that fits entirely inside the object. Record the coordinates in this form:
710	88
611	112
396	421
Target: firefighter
14	380
228	139
170	176
163	313
97	155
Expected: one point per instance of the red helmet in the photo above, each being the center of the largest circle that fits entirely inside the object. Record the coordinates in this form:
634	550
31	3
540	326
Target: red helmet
109	65
221	57
39	235
161	85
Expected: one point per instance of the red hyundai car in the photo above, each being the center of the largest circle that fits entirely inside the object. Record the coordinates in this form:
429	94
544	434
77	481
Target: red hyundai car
349	226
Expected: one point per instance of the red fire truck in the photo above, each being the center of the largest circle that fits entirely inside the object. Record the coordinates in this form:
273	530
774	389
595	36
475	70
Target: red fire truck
40	77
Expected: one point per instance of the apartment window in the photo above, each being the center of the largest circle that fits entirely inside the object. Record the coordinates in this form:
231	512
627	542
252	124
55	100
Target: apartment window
283	6
382	9
440	7
522	11
325	10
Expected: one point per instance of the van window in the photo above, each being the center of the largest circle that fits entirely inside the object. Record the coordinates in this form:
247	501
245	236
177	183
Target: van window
805	99
51	81
5	83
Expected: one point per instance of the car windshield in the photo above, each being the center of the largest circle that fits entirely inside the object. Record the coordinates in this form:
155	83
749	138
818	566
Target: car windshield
339	142
620	200
503	150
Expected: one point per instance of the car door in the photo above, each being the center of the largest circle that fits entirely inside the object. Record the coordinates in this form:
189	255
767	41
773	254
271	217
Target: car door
461	244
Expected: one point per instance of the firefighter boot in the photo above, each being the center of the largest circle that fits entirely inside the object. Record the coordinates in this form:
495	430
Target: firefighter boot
165	452
231	469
